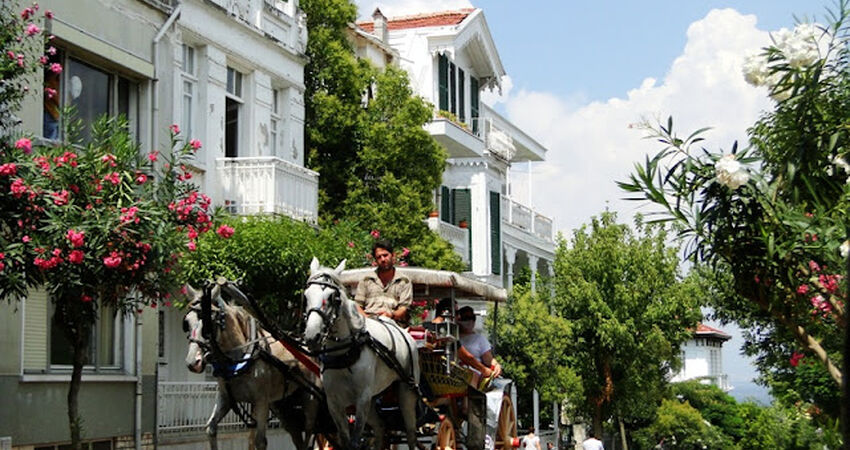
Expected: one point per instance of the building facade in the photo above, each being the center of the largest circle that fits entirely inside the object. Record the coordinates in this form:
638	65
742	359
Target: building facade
702	358
230	74
451	59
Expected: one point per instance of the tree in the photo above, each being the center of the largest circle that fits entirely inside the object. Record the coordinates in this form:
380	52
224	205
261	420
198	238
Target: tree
629	310
774	215
678	425
379	167
716	406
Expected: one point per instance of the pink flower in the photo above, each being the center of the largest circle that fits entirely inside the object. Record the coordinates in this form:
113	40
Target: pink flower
50	92
375	234
225	231
112	261
795	359
195	144
803	289
141	178
113	178
75	237
152	156
404	252
26	13
175	129
86	298
109	158
42	59
56	68
48	14
61	198
350	244
821	305
814	267
25	239
192	234
2	266
192	246
76	256
18	188
51	50
8	169
403	264
24	144
829	282
32	29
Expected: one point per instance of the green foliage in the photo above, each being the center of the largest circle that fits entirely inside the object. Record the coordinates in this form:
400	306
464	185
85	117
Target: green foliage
774	239
379	167
271	256
621	292
678	425
20	44
716	406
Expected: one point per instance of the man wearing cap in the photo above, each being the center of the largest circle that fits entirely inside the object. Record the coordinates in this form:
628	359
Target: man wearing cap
385	292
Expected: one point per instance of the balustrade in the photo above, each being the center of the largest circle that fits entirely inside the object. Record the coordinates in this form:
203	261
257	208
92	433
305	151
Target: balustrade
270	185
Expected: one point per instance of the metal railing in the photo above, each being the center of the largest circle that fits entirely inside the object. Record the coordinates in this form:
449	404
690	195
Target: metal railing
185	407
457	236
270	185
163	5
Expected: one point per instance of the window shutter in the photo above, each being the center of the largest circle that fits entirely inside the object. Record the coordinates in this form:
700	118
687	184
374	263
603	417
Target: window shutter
453	87
473	103
445	204
35	331
462	200
443	82
461	110
495	232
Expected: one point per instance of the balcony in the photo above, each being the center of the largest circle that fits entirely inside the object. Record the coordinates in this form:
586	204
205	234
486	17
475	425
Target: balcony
458	140
526	219
269	185
458	237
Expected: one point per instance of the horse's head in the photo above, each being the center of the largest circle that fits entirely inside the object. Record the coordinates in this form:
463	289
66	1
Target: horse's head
228	327
323	299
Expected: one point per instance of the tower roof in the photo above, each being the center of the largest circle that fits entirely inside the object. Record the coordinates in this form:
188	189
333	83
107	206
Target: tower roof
433	19
709	332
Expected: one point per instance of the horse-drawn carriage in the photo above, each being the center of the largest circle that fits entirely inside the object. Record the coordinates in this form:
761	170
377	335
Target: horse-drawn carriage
361	361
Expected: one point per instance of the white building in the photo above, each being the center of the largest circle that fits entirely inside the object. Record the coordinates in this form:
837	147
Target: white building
702	358
451	58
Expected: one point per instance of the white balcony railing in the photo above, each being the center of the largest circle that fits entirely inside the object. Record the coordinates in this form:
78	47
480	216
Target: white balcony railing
270	185
185	407
526	219
458	237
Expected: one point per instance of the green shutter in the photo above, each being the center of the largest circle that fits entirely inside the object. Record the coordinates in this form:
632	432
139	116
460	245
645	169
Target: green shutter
445	204
495	232
443	80
453	87
35	331
461	110
462	209
473	103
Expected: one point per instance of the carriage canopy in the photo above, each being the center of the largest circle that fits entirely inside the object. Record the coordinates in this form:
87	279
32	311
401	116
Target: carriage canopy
430	283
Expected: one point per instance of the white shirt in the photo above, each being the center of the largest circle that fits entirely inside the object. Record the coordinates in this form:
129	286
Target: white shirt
530	443
592	444
475	344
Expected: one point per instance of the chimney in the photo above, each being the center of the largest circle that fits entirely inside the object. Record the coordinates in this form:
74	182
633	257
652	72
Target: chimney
380	21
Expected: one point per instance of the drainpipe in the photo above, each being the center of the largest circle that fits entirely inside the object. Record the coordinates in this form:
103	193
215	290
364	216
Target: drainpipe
154	116
139	387
155	103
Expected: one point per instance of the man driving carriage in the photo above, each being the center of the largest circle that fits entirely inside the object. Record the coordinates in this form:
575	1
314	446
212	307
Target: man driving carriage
385	292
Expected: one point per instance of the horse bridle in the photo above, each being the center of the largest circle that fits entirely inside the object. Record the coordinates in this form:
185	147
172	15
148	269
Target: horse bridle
331	313
214	318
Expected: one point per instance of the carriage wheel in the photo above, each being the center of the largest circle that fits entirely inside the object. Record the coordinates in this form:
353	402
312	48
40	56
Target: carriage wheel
446	436
506	434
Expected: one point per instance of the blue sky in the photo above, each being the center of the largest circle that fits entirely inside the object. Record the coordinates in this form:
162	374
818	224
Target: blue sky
581	74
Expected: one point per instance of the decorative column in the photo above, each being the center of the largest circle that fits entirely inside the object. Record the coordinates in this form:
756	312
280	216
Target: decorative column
510	259
532	264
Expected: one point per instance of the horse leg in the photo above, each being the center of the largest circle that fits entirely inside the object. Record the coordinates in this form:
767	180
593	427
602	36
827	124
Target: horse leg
407	404
336	407
221	408
261	416
311	409
378	429
364	406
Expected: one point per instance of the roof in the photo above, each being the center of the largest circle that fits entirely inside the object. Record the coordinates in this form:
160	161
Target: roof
707	331
434	19
429	283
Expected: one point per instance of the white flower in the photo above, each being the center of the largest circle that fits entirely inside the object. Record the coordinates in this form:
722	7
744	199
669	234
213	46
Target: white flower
730	172
844	250
755	70
839	161
800	47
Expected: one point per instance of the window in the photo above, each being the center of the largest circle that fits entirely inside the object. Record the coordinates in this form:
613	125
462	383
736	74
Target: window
495	233
233	106
452	88
473	103
47	349
443	82
461	78
274	123
92	91
190	83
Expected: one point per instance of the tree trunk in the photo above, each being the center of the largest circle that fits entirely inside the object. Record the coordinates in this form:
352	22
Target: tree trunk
597	421
623	434
75	318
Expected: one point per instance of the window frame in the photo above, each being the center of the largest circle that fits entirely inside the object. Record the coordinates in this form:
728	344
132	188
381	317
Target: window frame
119	342
234	97
188	78
275	121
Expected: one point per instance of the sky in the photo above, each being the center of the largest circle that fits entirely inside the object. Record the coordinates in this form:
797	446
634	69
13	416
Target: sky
581	74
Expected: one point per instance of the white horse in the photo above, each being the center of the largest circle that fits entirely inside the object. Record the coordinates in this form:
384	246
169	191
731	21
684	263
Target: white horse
353	373
247	375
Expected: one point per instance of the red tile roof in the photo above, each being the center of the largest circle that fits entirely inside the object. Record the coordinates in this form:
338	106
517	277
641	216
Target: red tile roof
707	330
435	19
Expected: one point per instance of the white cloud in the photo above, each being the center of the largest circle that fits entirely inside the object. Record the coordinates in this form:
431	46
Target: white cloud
393	8
498	95
592	146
